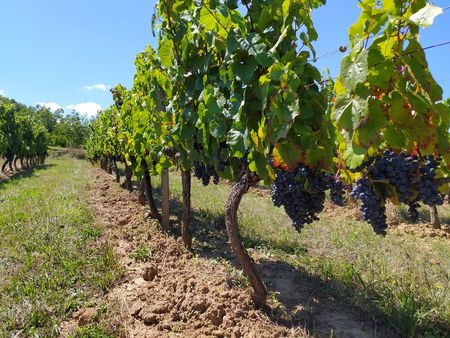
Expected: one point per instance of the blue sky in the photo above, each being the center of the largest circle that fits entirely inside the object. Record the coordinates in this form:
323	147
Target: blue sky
70	52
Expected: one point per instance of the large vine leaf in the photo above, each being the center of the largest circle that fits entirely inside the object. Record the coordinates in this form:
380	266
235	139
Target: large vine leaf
425	16
354	70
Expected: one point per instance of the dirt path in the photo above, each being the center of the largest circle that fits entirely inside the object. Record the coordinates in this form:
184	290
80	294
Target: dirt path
174	293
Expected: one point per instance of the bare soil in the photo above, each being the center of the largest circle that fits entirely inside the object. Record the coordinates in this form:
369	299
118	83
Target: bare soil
178	293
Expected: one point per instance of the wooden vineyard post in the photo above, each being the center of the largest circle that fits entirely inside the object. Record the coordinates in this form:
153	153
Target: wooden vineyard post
165	199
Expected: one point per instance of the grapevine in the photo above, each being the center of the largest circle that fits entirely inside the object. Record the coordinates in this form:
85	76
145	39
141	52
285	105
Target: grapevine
23	135
233	91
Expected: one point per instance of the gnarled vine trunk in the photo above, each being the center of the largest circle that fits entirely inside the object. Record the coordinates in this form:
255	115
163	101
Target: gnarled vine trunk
116	170
104	164
128	177
141	196
149	192
239	189
109	165
434	217
4	165
15	163
186	213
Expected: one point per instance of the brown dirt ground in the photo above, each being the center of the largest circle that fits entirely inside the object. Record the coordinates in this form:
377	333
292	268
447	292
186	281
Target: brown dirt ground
178	294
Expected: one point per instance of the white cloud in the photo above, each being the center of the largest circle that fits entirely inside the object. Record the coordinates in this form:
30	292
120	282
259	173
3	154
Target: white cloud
89	109
53	106
99	86
2	92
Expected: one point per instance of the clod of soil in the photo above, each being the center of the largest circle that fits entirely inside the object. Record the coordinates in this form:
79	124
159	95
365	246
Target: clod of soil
86	316
150	273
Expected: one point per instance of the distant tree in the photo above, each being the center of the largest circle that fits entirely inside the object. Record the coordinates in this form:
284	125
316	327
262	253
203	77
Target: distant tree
49	118
67	130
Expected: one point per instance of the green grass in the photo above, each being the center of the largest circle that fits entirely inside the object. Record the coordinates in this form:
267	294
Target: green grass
48	265
143	253
404	278
401	278
90	331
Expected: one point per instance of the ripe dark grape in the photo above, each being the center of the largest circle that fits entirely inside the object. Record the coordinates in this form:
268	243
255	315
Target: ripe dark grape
198	170
204	173
221	164
398	169
372	210
337	192
301	192
428	190
413	212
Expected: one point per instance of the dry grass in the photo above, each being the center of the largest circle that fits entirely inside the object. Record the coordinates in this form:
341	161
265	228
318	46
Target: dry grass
76	153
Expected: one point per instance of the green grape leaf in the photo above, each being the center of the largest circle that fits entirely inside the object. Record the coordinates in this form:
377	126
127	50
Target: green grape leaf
235	138
245	70
367	134
354	156
354	70
166	53
350	112
276	71
277	130
254	46
380	69
232	42
394	137
258	164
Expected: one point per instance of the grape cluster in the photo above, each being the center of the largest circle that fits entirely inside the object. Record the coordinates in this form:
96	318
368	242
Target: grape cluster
428	190
300	203
398	169
406	174
205	172
372	210
221	163
336	191
413	212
